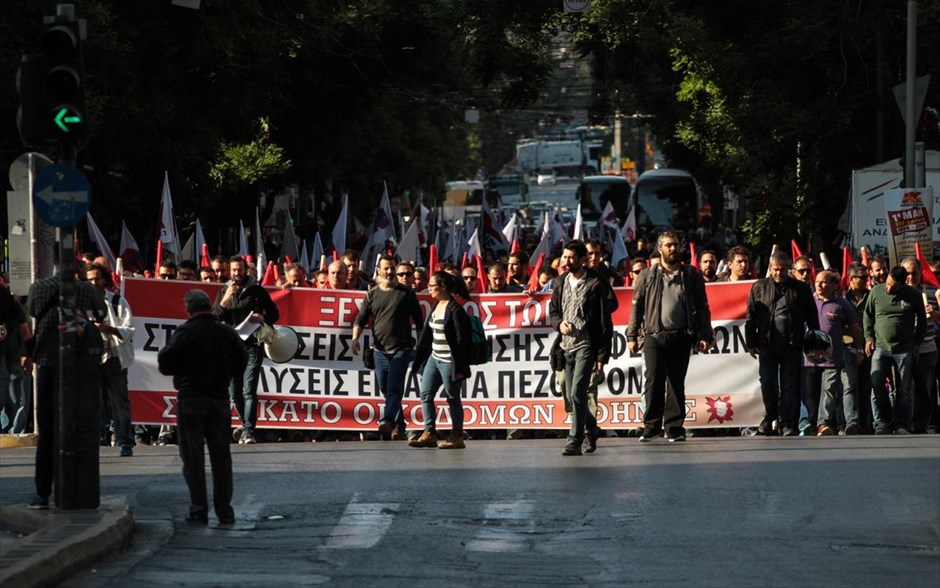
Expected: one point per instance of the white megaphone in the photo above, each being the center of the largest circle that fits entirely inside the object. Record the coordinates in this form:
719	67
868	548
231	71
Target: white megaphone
283	345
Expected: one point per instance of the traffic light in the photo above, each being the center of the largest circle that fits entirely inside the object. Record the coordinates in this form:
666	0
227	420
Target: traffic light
63	81
30	118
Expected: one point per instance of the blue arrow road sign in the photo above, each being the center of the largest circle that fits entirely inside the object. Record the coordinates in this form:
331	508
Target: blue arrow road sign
61	195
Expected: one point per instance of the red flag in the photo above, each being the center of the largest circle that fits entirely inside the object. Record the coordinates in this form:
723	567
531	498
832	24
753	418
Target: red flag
269	279
481	275
204	259
926	275
277	274
78	249
864	257
534	278
795	250
159	255
249	258
463	261
432	258
287	260
694	255
846	262
516	247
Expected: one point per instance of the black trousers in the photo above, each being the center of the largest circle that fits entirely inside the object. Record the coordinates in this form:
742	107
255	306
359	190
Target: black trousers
205	421
46	381
666	357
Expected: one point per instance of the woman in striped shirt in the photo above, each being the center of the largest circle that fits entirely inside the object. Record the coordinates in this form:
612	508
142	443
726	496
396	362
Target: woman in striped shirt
441	359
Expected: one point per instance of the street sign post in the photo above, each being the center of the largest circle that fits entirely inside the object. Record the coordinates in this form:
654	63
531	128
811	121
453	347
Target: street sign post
61	195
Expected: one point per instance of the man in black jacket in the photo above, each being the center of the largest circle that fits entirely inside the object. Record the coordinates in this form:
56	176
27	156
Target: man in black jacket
670	309
580	310
204	415
779	309
243	298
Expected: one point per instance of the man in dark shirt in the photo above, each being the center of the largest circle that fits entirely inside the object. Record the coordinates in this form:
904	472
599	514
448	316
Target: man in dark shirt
243	298
43	306
203	409
393	309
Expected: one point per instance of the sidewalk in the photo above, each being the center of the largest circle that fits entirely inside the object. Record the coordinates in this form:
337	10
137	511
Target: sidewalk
57	543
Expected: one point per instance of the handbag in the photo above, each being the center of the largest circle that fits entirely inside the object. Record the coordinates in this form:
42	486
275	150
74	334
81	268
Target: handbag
368	358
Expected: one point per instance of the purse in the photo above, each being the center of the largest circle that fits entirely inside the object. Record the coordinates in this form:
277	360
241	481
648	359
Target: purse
368	358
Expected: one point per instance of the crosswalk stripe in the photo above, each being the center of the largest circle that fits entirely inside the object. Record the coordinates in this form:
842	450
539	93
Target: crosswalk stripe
362	525
504	527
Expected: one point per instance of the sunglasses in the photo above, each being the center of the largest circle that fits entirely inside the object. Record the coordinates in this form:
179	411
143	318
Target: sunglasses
802	271
403	274
860	277
167	276
469	277
635	271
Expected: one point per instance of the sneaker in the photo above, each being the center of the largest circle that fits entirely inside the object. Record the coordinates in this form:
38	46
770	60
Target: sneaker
427	439
455	441
648	435
385	430
823	430
789	431
680	438
247	438
39	503
590	442
766	429
127	451
237	434
572	449
902	431
398	435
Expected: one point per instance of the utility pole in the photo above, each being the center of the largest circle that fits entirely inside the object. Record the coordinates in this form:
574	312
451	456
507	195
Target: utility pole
911	118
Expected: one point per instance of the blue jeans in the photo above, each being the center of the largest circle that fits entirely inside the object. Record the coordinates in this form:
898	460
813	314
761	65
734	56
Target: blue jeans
21	390
7	406
436	374
243	392
578	367
779	372
826	385
390	372
881	362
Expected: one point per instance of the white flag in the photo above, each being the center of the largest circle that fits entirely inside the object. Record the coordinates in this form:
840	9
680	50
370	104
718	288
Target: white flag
578	225
100	241
629	226
304	260
260	261
200	241
619	249
410	242
243	250
317	252
339	230
289	246
509	231
168	233
130	251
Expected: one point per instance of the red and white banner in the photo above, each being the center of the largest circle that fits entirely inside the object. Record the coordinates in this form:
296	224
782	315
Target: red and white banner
326	386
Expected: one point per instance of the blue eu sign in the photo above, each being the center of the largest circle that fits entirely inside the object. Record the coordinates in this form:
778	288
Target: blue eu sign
61	195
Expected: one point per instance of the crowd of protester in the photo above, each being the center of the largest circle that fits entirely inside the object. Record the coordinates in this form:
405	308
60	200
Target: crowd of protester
845	396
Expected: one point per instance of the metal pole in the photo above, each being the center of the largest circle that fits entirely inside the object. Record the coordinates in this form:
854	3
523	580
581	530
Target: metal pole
910	116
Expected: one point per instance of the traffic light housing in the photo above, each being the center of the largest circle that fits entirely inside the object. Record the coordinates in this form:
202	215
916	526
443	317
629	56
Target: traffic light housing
30	118
63	81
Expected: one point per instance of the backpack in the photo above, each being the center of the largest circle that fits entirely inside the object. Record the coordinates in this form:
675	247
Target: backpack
481	347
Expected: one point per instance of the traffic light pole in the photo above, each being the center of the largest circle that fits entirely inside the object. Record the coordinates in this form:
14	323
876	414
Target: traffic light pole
77	477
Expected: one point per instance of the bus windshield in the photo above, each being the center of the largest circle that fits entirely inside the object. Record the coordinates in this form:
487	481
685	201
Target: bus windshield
666	198
596	191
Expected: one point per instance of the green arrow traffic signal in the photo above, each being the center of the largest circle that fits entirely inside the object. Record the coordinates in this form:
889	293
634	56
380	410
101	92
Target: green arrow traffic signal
63	118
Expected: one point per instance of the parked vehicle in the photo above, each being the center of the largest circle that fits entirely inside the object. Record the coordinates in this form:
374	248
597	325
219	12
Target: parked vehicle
545	176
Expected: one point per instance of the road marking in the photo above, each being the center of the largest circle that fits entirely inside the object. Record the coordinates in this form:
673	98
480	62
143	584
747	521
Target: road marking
362	525
505	526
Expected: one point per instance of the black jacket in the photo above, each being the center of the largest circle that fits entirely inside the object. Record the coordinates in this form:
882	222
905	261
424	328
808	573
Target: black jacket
457	331
600	303
202	356
251	298
760	311
647	300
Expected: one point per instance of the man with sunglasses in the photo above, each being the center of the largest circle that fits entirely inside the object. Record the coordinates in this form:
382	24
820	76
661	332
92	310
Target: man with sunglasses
405	272
803	270
779	308
857	294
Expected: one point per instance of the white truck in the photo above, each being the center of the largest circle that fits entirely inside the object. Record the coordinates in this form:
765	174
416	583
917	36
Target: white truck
566	157
864	217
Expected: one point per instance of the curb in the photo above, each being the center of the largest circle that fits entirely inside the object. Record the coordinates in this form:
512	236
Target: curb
24	440
60	543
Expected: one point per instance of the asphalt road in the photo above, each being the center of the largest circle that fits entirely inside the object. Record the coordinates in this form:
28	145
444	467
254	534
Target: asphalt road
859	511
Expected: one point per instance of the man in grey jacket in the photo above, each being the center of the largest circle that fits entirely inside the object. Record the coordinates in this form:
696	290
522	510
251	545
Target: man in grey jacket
670	310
